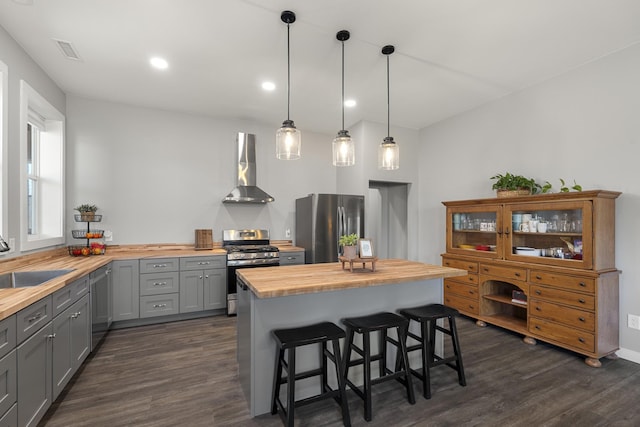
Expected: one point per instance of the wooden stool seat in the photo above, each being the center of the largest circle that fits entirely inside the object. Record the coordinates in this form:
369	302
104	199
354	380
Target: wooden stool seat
427	315
289	339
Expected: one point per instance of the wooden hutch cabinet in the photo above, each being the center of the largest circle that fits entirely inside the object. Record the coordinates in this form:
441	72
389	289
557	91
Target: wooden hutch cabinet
562	260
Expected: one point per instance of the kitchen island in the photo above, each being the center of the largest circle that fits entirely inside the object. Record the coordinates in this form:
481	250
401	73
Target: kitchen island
289	296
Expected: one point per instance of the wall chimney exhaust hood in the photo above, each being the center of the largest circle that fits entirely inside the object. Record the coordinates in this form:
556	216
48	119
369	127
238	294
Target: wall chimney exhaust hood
246	190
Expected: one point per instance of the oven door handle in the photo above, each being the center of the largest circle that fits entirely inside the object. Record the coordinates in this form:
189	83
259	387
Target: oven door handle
241	284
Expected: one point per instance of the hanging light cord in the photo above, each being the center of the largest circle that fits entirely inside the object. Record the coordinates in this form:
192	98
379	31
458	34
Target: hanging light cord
342	84
288	73
388	103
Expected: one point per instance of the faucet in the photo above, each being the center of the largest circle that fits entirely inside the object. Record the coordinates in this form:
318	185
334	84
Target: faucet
4	247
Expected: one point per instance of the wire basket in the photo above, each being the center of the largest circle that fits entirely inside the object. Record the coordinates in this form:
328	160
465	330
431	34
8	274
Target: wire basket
86	217
84	234
87	250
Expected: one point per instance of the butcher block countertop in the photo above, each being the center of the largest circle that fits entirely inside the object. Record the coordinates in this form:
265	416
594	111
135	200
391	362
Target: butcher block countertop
270	282
15	299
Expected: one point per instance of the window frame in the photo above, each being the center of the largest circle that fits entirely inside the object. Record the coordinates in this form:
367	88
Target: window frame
51	225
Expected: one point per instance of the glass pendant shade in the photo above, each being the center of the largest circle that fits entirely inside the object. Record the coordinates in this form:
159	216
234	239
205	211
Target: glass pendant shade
288	141
344	153
288	138
389	154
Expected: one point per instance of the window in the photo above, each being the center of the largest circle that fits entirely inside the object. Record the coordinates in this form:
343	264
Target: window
3	149
42	171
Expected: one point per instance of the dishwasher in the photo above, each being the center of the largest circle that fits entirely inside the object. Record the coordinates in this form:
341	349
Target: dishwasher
101	289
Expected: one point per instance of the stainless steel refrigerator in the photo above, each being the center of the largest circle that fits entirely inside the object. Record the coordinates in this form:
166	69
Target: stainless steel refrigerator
321	219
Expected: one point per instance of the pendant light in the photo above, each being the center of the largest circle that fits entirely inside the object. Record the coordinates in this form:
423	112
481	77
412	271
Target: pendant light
343	149
288	138
389	152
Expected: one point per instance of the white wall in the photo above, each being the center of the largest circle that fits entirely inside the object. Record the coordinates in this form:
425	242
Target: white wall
157	175
582	125
20	67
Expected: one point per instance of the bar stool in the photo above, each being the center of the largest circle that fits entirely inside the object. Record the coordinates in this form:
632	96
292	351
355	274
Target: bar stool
290	339
427	316
364	325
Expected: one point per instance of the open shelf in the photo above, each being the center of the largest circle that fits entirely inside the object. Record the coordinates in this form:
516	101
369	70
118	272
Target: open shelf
512	323
505	300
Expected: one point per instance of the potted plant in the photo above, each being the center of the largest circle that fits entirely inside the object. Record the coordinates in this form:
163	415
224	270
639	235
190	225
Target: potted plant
348	243
87	211
509	185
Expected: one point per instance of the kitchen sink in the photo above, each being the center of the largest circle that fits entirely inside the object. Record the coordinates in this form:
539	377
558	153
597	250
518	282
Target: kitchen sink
22	279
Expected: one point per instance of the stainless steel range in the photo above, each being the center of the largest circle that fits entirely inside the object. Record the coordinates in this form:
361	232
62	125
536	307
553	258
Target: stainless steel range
246	249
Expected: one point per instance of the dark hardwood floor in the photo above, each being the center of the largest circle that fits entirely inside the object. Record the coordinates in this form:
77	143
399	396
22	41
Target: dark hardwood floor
184	374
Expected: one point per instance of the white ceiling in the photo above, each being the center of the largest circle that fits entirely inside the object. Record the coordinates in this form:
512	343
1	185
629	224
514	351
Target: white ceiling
451	55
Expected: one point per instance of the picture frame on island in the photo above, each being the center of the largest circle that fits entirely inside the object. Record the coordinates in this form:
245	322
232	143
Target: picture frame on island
365	247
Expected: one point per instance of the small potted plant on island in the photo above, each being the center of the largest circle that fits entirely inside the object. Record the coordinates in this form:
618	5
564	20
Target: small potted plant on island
87	212
348	243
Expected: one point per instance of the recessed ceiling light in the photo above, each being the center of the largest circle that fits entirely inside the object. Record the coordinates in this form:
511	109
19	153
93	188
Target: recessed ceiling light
350	103
268	86
159	63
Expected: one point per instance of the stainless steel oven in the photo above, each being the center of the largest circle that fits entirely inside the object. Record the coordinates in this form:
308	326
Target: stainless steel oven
246	249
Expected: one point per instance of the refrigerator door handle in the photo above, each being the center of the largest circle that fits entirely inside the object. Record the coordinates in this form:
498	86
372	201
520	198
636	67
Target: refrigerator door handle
339	218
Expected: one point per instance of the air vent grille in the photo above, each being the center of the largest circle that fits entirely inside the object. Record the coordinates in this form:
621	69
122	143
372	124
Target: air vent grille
67	50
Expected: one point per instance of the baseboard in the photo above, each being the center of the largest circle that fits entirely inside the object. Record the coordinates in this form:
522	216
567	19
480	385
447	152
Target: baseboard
632	356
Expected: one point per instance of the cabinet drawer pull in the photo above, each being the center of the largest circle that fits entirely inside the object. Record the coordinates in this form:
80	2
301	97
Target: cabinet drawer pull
517	274
471	307
538	327
159	265
160	284
469	278
581	339
74	315
538	277
200	277
499	233
470	267
291	258
471	292
51	336
447	263
159	305
506	230
581	301
206	276
203	263
582	284
538	309
581	319
37	316
538	292
485	269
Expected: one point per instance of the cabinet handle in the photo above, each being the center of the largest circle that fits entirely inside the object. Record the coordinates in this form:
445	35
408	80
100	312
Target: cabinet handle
471	292
470	267
581	301
447	263
203	263
517	274
538	327
470	279
291	258
582	284
499	233
506	231
448	286
581	339
206	276
581	319
471	307
37	316
51	336
485	269
200	277
159	283
159	305
538	292
538	309
538	277
74	315
159	265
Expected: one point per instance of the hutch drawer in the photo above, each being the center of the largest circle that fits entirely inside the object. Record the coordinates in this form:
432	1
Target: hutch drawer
569	336
568	316
465	305
587	302
461	289
563	280
507	272
470	266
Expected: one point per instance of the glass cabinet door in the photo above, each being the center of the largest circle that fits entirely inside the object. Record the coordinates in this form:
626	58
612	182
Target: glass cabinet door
550	233
474	230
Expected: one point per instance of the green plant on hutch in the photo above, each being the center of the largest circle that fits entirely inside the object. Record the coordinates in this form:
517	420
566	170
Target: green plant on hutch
514	185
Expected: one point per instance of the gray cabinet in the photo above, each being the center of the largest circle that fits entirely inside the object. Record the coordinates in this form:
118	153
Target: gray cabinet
8	385
159	283
159	287
126	289
202	283
215	288
291	258
34	358
159	305
72	342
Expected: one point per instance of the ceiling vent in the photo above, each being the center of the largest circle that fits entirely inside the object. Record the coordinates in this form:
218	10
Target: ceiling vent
67	50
